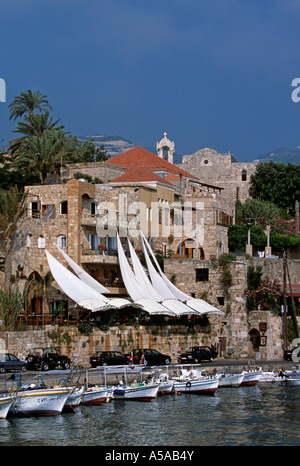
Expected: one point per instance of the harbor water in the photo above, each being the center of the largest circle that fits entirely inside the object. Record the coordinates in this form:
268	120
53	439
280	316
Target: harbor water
267	414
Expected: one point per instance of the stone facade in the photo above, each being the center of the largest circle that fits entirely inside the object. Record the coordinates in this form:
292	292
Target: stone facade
237	332
169	339
221	169
73	216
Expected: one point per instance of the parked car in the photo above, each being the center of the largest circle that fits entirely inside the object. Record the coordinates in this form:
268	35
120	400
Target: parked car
108	358
150	357
197	354
287	355
47	358
10	362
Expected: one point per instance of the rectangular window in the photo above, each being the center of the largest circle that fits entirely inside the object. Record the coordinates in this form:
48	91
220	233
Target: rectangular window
202	275
159	216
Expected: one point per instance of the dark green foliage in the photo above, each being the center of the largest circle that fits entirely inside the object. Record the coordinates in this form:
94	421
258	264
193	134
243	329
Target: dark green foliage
278	183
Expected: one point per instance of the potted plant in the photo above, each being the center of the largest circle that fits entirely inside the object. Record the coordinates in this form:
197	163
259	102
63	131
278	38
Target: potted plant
101	248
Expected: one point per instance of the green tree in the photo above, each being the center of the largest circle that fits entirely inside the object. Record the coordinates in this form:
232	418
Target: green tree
278	183
261	213
35	125
11	304
27	103
45	154
91	153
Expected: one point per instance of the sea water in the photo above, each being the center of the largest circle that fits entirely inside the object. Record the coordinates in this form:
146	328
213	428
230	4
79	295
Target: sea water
267	414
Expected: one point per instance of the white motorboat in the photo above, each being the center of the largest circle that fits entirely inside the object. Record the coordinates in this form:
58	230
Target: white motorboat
136	391
292	378
271	376
6	402
165	388
251	377
166	385
194	381
205	386
93	396
74	399
229	380
40	401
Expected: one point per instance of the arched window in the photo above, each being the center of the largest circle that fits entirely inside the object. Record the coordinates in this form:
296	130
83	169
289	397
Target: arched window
41	242
244	175
28	240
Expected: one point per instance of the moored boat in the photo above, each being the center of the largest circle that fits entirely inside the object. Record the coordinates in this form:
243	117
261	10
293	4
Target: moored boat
229	380
6	402
205	386
40	401
251	378
271	376
166	385
93	396
136	391
74	399
193	381
292	378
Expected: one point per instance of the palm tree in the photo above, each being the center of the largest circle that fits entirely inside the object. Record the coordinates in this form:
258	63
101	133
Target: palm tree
12	208
28	102
36	125
45	154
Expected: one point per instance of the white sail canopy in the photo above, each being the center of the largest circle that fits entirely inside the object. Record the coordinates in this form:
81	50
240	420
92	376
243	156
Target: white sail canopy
164	285
134	289
172	304
79	291
76	289
83	275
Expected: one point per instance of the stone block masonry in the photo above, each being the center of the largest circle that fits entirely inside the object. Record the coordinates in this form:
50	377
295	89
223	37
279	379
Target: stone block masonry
168	339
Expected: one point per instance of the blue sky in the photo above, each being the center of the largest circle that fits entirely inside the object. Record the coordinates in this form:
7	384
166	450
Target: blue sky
211	73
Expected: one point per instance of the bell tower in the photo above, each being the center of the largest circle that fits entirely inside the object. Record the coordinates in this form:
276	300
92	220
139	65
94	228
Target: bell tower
166	149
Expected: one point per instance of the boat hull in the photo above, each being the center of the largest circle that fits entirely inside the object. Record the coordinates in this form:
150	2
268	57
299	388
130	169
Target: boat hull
293	382
198	387
165	388
74	399
5	405
48	402
95	396
271	377
231	380
251	378
292	379
137	393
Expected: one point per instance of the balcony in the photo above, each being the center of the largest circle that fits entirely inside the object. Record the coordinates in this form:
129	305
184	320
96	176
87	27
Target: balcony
99	257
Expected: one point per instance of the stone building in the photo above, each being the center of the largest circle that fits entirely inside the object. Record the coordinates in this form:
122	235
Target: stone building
182	211
178	213
214	167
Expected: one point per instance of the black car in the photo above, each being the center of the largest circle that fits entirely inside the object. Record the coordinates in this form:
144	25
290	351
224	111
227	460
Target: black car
10	362
108	358
287	355
47	358
197	354
149	357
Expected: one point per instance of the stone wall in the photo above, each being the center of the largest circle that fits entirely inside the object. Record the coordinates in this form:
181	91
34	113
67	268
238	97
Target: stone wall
105	171
168	339
203	279
222	170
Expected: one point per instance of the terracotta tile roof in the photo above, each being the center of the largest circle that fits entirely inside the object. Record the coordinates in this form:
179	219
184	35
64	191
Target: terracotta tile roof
140	157
138	175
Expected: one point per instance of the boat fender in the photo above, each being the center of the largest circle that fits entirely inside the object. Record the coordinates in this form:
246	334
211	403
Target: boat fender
188	384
